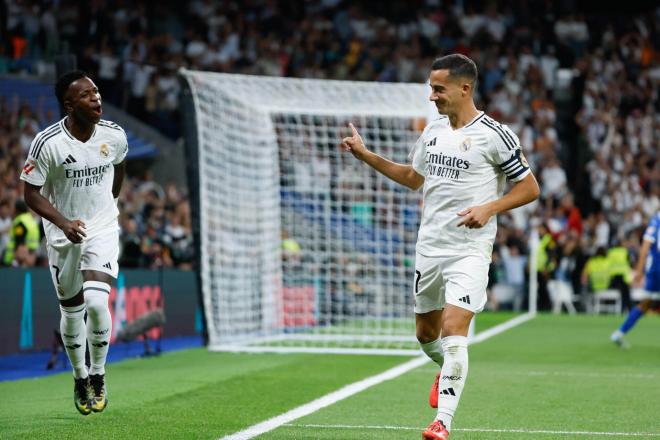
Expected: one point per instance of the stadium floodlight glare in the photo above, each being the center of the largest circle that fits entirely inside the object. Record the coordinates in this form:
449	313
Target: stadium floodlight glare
302	247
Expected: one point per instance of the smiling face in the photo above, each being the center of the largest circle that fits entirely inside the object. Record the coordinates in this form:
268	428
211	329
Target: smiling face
449	93
83	101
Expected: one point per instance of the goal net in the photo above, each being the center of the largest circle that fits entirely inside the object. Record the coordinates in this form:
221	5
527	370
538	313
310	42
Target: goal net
303	247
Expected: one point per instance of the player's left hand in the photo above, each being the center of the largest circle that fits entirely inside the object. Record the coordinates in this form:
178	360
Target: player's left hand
475	217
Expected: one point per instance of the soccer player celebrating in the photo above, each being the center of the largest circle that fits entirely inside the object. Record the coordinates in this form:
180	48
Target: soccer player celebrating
72	178
461	159
648	269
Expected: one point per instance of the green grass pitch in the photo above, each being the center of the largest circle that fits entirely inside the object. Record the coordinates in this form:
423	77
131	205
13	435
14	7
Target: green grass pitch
555	377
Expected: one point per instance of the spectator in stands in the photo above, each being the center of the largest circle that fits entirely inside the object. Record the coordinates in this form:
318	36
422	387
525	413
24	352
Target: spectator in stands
620	272
515	265
596	273
545	265
23	238
6	214
131	252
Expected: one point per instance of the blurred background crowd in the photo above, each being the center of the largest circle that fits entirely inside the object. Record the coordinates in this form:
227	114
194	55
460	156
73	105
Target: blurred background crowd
580	89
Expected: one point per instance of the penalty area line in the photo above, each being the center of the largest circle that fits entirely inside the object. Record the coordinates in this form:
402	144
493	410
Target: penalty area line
357	387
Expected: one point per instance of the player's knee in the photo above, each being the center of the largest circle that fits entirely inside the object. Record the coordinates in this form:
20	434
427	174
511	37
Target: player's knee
426	334
456	321
455	327
96	302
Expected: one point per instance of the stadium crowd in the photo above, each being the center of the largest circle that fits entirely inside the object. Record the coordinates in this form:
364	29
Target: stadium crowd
595	156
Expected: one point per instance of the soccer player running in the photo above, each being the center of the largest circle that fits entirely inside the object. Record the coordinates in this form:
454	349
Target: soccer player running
647	269
72	178
461	159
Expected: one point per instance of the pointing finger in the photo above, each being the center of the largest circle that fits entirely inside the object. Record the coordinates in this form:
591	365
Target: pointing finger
355	132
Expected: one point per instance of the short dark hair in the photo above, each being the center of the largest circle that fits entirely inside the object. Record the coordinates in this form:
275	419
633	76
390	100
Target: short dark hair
459	66
63	83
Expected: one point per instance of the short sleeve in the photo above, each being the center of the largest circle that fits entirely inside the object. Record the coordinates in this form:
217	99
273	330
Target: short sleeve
417	156
651	229
505	152
35	170
122	149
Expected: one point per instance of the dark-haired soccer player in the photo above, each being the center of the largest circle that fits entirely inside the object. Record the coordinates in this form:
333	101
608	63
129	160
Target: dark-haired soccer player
72	178
462	160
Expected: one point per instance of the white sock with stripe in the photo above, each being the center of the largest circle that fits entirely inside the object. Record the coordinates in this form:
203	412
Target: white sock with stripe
452	380
99	323
74	336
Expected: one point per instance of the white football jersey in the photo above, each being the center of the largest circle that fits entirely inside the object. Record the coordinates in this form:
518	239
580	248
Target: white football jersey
76	177
462	168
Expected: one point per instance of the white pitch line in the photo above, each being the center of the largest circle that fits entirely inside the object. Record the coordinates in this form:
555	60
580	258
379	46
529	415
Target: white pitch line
359	386
513	430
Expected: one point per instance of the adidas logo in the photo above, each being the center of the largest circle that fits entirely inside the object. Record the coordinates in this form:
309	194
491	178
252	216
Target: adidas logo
69	159
431	143
448	392
108	266
465	299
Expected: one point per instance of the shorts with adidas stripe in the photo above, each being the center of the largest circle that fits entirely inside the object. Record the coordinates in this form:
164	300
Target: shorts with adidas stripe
459	280
67	260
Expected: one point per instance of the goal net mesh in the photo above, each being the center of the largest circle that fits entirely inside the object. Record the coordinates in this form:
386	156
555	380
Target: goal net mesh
303	247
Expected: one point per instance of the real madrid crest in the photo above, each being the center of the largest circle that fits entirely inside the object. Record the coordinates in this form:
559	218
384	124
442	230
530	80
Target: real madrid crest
465	145
105	151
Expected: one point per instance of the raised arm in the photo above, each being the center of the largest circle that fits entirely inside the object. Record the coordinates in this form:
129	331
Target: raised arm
400	173
73	229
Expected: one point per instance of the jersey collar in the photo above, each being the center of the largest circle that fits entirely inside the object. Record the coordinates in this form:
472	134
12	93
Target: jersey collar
72	137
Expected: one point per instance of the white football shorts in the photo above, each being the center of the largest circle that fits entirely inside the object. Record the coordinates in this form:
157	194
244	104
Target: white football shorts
66	261
459	280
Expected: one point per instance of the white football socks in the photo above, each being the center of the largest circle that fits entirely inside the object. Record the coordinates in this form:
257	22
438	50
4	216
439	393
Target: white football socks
99	324
74	336
452	380
434	351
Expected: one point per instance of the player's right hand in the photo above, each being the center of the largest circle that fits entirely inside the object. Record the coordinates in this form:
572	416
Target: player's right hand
354	144
74	230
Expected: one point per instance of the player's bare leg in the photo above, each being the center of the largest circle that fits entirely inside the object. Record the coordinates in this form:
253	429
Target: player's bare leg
455	323
96	289
74	335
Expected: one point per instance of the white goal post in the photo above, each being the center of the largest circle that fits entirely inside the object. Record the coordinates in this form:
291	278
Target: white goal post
303	248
